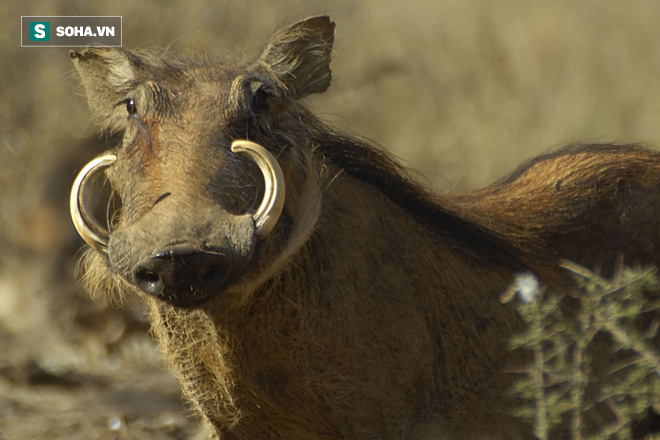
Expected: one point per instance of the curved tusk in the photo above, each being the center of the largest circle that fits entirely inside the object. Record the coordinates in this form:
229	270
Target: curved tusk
89	228
271	207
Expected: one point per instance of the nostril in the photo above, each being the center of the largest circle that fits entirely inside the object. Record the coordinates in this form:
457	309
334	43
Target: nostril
213	275
147	276
148	280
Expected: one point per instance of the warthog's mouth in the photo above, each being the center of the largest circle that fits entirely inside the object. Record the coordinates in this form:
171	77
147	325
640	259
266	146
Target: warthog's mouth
182	275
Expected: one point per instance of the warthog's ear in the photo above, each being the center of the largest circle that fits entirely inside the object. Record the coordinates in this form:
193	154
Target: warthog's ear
300	56
107	74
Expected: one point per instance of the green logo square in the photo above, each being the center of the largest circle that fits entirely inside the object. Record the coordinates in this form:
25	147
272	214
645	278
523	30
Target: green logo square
39	31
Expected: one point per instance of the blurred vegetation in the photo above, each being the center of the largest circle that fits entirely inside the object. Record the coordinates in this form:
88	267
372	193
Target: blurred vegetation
462	91
595	367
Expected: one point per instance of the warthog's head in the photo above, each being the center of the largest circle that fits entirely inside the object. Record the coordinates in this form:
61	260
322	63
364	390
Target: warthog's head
199	168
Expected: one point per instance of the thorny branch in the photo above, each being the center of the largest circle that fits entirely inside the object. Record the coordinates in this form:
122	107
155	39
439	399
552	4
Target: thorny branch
615	322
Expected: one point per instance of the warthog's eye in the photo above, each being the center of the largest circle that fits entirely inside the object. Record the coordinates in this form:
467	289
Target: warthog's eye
131	107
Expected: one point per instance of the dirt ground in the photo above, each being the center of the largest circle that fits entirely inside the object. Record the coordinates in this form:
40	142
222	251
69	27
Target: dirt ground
461	91
82	370
111	405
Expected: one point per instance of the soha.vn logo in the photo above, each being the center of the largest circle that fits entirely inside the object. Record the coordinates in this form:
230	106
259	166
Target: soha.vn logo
39	31
85	31
68	31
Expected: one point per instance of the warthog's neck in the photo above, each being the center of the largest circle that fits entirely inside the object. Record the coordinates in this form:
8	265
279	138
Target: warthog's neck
374	325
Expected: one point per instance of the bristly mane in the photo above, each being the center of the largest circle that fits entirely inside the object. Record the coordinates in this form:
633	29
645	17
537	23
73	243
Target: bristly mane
378	169
571	149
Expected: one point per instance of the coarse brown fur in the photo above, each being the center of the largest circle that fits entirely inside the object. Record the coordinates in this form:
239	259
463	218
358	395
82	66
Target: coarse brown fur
371	311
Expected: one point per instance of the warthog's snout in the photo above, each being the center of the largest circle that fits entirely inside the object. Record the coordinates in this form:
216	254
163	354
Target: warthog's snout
182	276
218	245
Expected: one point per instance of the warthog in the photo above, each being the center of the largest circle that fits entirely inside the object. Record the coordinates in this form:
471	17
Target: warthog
299	284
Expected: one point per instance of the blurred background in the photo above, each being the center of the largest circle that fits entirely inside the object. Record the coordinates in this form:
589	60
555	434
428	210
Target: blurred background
461	91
